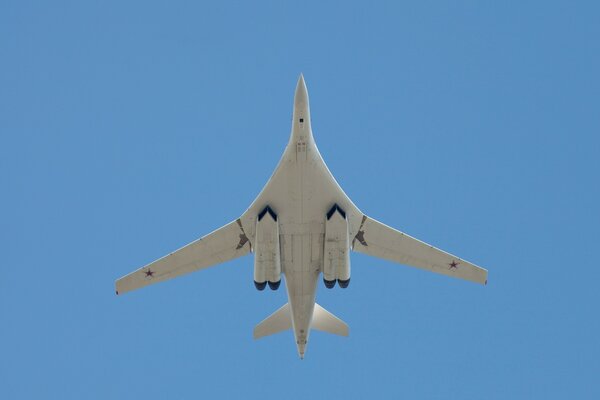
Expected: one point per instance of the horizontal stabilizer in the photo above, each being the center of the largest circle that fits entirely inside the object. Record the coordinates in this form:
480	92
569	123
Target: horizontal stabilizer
279	321
325	321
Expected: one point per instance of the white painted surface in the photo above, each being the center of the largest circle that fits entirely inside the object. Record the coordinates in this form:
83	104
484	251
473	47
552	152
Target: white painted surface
267	260
336	261
301	191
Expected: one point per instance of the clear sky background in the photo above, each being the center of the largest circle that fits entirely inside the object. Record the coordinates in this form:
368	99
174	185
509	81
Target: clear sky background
129	129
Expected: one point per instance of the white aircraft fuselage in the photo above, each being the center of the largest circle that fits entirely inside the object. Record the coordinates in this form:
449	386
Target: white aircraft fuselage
301	191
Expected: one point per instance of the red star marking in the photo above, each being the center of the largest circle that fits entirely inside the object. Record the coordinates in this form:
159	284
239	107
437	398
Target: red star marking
453	265
149	273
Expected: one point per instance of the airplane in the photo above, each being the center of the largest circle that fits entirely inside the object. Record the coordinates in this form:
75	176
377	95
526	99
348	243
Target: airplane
301	225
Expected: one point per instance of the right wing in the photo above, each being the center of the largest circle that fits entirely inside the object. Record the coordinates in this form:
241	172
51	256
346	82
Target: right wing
379	240
224	244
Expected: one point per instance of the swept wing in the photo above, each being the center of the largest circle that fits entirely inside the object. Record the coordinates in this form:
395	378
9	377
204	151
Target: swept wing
224	244
379	240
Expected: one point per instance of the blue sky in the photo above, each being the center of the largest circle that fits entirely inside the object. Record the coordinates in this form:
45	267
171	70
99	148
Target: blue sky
131	128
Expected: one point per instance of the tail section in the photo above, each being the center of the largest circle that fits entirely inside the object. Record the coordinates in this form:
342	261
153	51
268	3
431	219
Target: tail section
279	321
325	321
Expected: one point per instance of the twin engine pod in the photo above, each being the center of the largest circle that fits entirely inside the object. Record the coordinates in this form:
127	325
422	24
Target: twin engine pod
336	262
267	257
267	260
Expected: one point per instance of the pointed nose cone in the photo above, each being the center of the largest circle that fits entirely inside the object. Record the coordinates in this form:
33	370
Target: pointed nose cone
301	116
301	96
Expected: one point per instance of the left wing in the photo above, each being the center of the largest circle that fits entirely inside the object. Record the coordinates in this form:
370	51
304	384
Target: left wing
379	240
224	244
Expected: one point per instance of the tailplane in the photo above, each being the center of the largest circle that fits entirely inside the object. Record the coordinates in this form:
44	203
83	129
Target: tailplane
279	321
325	321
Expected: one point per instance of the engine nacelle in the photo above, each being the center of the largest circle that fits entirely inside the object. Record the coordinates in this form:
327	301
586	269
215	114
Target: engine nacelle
267	260
336	258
